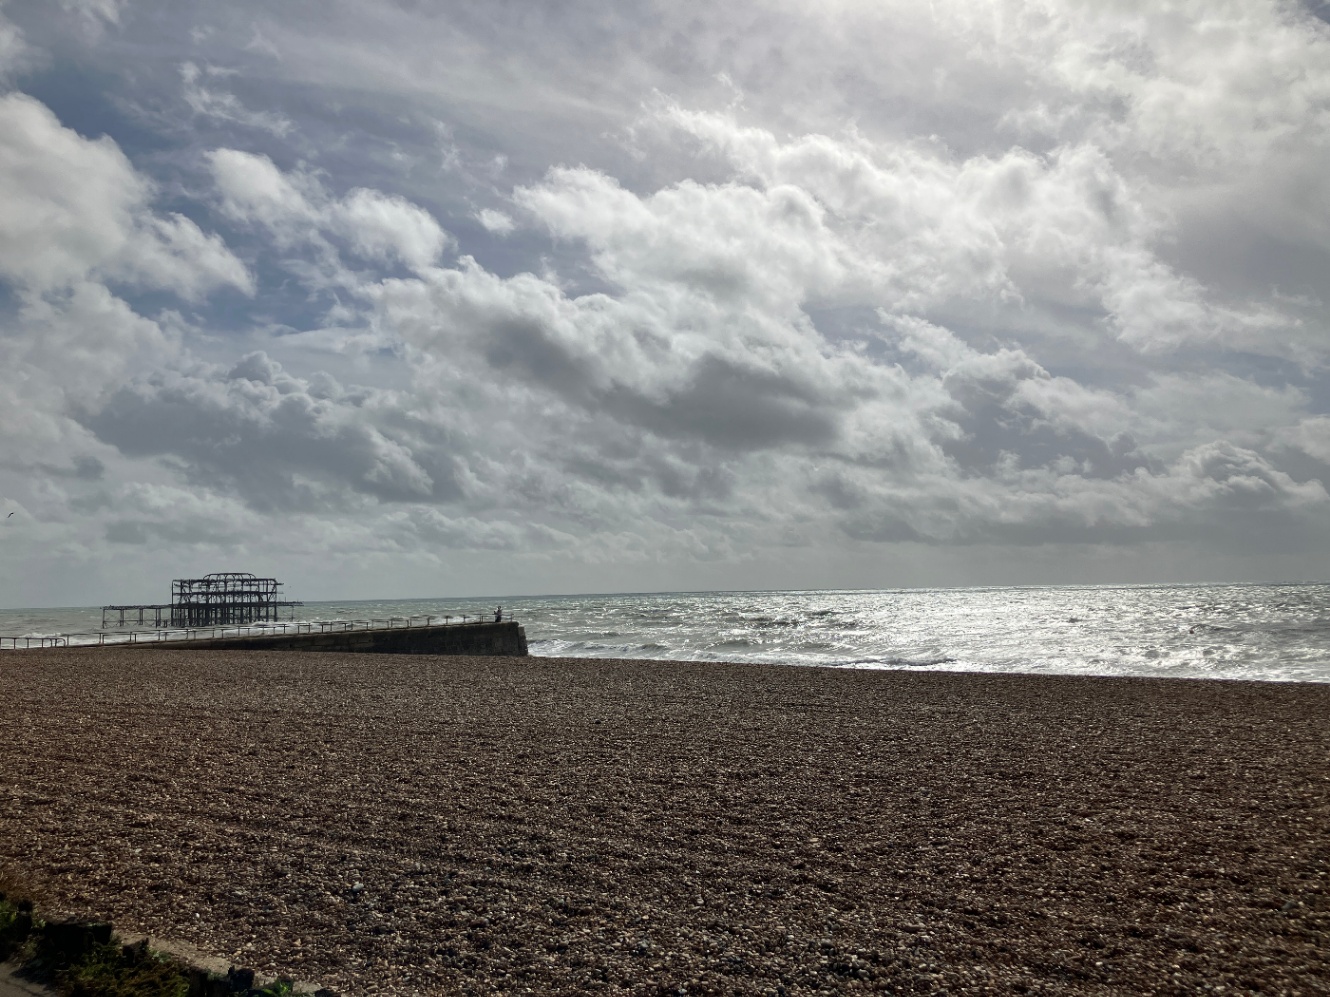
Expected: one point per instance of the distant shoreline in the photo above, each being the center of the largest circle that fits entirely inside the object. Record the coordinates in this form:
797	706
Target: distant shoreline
929	669
510	598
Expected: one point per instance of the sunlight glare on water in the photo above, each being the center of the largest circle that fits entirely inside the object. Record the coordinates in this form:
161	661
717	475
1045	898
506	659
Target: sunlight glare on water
1254	632
1267	632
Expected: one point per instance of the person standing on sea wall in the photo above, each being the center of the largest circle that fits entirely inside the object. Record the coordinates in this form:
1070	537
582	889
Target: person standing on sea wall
498	614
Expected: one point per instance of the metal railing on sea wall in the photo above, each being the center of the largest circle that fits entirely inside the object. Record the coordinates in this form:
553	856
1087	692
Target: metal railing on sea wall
103	639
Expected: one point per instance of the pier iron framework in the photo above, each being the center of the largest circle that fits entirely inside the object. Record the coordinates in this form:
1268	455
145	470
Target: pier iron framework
222	598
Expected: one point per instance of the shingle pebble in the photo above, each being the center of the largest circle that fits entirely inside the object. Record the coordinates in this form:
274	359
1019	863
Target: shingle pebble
412	825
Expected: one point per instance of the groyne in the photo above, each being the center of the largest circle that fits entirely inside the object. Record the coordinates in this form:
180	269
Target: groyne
507	639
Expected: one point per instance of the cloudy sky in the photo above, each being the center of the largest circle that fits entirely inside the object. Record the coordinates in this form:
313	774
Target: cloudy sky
445	298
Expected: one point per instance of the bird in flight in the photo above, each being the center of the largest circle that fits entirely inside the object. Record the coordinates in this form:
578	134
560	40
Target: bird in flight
9	515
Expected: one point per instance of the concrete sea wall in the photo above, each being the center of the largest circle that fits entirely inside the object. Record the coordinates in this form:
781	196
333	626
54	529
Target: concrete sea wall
507	639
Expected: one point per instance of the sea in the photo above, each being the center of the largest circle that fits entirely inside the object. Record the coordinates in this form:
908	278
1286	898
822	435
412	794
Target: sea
1276	633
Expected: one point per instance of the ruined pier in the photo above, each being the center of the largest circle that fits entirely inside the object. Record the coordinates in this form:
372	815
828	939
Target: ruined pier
219	599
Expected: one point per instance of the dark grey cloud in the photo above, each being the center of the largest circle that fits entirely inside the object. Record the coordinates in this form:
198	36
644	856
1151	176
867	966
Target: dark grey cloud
277	440
720	401
995	423
737	407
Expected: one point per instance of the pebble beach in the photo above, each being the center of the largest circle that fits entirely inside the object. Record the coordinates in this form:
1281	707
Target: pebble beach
384	824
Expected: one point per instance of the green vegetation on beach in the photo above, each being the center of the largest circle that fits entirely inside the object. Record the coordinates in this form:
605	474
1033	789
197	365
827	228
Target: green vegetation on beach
88	960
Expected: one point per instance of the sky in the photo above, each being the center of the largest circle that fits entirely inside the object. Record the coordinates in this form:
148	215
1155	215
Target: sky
423	298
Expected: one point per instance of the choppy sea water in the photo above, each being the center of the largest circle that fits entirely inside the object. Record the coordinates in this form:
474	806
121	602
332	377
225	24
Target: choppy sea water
1263	632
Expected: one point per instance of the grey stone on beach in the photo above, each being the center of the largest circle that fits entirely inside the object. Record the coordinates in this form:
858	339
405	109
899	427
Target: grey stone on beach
571	826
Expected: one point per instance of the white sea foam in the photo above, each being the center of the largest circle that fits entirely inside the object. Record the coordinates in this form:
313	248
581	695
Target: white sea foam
1264	632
